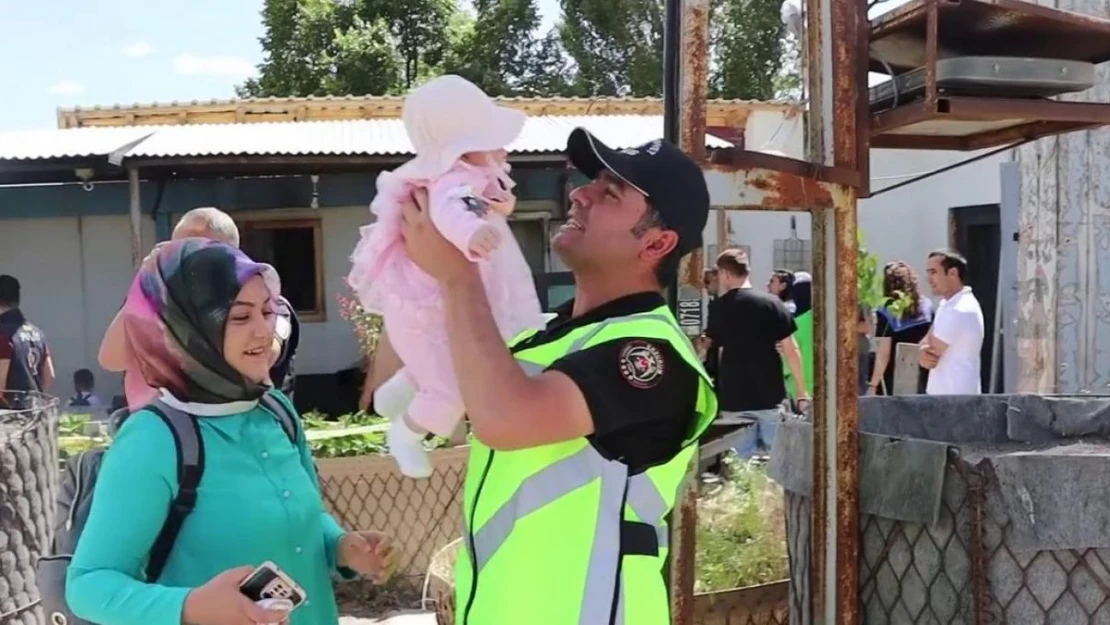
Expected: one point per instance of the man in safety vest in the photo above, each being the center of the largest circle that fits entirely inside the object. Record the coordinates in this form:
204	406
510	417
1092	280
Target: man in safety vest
583	432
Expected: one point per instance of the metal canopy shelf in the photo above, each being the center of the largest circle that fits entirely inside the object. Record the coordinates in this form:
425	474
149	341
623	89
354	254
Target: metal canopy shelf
917	34
988	27
964	123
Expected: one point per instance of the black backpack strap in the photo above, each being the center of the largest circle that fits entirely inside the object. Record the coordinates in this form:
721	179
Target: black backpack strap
286	418
190	468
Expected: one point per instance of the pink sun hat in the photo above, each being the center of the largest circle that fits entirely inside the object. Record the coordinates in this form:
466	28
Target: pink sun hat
449	116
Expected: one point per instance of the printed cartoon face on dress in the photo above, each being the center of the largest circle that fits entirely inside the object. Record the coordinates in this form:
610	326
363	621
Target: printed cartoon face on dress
610	225
249	333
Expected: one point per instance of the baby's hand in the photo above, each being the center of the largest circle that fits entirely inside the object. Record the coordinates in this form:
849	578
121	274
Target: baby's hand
484	241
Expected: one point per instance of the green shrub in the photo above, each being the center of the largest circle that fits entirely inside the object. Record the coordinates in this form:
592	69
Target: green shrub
363	444
741	531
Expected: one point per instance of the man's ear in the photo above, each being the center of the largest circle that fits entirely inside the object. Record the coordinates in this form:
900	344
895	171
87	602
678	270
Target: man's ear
660	245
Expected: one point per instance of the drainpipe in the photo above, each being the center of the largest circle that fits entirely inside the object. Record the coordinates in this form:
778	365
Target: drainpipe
136	217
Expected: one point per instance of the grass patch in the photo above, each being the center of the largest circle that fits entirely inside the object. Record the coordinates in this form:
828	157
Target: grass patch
741	531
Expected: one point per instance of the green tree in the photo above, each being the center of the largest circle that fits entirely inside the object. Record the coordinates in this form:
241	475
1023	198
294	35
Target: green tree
341	47
615	45
747	42
419	28
502	53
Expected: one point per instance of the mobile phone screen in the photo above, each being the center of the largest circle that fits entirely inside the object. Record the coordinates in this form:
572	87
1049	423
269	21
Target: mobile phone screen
267	583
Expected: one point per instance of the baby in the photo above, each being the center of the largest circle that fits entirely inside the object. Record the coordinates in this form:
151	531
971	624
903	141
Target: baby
459	135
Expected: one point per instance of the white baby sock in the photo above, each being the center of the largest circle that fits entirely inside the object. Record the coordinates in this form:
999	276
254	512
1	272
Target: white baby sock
407	448
392	398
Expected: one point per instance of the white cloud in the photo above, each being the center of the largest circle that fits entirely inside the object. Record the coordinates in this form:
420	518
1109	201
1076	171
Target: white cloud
138	49
67	87
231	66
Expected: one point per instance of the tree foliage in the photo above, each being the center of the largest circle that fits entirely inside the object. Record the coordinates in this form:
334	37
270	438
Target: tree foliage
597	48
503	54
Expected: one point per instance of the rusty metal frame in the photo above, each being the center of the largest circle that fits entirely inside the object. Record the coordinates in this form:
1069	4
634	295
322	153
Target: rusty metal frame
743	180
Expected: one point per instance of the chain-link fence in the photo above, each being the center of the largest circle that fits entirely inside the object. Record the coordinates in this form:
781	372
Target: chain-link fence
422	516
28	485
765	604
961	570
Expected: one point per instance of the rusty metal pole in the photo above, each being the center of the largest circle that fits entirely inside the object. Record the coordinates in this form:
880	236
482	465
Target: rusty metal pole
686	85
836	46
816	15
850	150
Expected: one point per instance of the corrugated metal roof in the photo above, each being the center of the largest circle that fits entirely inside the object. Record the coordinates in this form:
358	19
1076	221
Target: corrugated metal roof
380	137
75	143
375	137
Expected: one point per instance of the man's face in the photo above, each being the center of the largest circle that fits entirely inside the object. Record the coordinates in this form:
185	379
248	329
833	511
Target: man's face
600	226
711	282
939	281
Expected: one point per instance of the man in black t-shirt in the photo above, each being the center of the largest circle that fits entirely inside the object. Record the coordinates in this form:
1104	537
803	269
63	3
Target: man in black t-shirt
749	327
25	363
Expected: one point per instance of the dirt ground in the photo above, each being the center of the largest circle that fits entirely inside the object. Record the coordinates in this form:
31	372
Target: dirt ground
398	618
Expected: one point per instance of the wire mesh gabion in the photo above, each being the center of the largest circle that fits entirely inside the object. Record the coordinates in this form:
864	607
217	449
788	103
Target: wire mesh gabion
421	516
28	487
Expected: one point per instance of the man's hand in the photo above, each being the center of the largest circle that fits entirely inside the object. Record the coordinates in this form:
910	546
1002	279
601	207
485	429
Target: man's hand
702	345
927	357
426	246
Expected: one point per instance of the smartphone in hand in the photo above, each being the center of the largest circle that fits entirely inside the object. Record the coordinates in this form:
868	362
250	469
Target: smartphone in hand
270	584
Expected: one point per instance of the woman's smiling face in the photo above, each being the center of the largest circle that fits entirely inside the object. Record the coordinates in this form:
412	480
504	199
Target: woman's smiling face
249	333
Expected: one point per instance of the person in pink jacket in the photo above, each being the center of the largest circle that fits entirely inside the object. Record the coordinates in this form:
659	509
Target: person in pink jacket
460	137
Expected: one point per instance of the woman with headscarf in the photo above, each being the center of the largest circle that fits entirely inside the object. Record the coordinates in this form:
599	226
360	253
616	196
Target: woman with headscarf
905	317
802	293
200	322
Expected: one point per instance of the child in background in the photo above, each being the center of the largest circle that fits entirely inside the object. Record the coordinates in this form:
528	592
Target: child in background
460	136
83	390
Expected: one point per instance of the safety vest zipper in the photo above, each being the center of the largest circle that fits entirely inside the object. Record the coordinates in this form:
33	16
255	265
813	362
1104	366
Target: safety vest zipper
470	542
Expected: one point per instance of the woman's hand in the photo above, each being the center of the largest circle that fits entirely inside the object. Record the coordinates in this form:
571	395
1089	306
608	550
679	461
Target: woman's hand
368	553
219	602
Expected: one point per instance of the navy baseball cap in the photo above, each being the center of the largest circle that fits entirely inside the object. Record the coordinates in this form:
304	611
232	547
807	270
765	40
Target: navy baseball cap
671	181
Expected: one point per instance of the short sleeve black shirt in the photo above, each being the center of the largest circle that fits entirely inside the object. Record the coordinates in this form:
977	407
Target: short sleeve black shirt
642	394
24	346
747	324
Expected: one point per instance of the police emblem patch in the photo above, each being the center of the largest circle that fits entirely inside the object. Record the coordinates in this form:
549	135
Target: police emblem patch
641	364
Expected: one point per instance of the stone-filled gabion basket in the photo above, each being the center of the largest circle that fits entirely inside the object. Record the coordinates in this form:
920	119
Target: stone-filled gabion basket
28	486
973	509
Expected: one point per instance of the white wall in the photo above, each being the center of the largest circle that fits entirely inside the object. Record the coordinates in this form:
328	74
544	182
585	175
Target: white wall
904	224
74	272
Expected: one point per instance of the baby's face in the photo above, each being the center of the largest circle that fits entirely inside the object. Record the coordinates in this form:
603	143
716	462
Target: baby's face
488	157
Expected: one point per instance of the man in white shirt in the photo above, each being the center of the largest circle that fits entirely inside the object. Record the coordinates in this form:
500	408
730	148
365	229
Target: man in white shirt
952	348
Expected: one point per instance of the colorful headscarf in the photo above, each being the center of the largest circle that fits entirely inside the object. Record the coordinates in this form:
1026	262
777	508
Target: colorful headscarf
175	316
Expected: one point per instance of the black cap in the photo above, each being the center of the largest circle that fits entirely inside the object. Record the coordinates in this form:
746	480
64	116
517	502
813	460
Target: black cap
671	180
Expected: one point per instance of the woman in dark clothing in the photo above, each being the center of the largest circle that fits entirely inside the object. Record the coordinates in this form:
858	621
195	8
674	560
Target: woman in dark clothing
904	318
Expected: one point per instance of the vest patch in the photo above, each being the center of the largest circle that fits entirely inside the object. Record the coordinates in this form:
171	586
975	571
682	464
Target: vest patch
641	364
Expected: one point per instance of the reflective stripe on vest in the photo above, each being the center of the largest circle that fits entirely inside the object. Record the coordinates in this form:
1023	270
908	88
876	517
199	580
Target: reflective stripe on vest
584	467
559	479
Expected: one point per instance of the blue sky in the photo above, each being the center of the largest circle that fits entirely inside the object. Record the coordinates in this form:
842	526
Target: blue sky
83	53
102	52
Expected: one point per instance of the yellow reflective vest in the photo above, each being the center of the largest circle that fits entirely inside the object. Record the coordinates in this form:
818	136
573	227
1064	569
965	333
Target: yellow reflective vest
557	534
